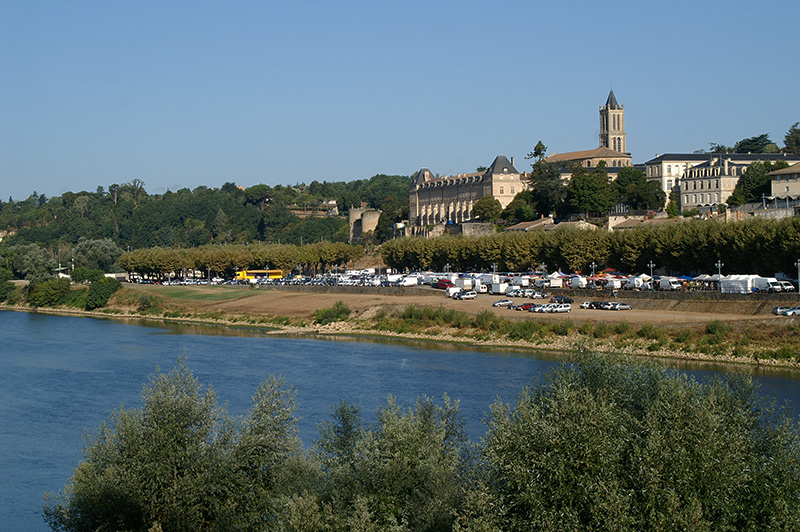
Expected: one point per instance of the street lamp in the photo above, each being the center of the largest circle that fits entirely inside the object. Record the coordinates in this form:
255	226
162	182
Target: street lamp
719	266
494	268
543	267
651	265
593	265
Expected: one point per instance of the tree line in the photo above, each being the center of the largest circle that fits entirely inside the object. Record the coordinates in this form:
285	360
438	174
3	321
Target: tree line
132	218
692	246
226	259
599	444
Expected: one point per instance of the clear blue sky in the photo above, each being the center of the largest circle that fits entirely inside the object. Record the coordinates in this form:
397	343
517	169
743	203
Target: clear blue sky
180	94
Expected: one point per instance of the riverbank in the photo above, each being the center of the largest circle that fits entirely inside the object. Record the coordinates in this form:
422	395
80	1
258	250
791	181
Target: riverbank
717	331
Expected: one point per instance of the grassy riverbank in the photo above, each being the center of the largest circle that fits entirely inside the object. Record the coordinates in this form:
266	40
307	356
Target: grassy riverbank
743	337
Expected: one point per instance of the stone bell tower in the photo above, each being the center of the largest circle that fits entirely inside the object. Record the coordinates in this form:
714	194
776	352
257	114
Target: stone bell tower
612	125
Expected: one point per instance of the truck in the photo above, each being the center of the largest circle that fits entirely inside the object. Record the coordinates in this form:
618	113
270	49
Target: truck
669	283
464	283
499	288
767	284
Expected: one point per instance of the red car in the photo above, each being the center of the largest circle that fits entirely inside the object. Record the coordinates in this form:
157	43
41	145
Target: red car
525	306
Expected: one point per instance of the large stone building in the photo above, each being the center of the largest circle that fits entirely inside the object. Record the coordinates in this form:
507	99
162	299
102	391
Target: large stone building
435	200
438	200
613	142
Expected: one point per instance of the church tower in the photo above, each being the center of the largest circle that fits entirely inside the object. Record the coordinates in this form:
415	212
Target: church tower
612	125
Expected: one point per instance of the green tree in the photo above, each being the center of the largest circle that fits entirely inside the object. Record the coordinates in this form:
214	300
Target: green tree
755	144
488	209
538	152
547	187
590	192
181	463
634	189
791	140
605	445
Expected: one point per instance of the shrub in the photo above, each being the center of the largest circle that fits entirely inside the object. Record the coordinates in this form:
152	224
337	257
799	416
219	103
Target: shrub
586	328
650	332
100	291
622	327
48	293
601	330
338	312
717	328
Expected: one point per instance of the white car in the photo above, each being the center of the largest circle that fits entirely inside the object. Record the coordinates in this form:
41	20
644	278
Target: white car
794	311
470	294
503	303
559	307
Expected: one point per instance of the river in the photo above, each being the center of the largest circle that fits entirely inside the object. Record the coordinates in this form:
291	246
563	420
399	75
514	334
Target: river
60	376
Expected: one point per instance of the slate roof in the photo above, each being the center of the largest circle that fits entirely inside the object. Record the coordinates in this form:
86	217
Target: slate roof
500	163
611	102
732	157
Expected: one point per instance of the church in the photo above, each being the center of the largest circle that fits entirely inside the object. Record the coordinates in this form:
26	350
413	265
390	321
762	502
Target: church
435	200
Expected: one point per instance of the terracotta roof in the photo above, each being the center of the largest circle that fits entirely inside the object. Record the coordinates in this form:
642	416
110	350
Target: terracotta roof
585	154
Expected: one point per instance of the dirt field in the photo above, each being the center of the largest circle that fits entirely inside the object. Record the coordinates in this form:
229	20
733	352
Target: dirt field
265	301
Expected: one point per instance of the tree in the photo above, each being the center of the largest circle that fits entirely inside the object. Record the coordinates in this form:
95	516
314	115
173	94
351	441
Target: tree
538	152
181	463
488	209
634	189
607	445
791	140
755	144
590	192
547	187
754	182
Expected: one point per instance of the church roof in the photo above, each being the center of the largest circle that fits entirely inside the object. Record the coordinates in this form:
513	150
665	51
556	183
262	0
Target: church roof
611	102
585	154
501	165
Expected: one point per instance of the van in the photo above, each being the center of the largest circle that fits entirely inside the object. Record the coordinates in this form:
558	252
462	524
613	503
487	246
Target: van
767	284
669	284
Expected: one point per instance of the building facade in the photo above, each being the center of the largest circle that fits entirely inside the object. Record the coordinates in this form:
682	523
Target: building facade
786	182
710	183
439	200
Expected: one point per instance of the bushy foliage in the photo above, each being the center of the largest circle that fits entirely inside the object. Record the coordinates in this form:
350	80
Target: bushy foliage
100	291
338	312
599	444
604	445
181	463
49	293
6	286
82	274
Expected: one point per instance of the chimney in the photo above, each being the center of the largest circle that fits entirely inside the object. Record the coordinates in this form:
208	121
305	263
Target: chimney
512	161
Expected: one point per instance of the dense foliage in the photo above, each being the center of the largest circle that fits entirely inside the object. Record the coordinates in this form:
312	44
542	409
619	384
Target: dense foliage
599	445
694	246
129	217
226	259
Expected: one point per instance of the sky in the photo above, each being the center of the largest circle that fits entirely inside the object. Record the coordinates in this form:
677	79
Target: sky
180	94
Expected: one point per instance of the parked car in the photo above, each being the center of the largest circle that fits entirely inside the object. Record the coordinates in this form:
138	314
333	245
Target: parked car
559	307
468	294
794	311
524	306
544	308
503	303
561	299
778	311
786	286
538	295
620	306
586	304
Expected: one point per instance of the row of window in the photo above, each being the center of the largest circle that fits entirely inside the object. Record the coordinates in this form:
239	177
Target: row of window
704	198
694	184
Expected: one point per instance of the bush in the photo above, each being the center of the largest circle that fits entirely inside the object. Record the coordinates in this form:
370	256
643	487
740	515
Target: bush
338	312
49	293
100	291
82	274
609	445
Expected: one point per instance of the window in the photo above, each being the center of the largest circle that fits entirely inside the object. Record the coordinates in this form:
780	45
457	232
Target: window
694	185
717	183
512	189
501	190
669	169
701	185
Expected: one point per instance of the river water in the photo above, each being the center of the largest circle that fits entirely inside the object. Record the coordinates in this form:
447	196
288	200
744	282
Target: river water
61	376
